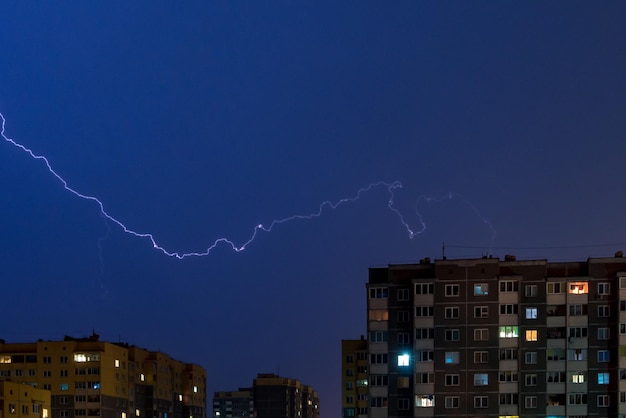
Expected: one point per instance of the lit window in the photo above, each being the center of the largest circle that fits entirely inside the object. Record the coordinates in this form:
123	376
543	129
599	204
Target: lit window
80	358
425	401
403	360
180	397
578	288
531	335
123	414
481	379
452	357
531	313
509	332
142	377
378	315
195	389
603	378
578	378
64	386
137	412
481	289
117	363
44	413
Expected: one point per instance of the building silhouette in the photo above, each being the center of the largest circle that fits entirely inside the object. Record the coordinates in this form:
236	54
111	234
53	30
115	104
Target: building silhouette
271	396
87	378
495	338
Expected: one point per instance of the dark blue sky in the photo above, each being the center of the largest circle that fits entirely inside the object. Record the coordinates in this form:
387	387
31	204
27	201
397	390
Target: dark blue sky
199	121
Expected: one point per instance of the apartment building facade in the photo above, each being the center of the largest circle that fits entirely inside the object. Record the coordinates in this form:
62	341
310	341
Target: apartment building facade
90	378
491	338
354	377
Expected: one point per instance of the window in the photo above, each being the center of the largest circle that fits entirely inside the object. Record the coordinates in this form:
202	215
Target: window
481	402
578	332
24	409
555	377
578	288
603	333
531	335
350	358
555	287
508	354
451	357
603	311
481	379
481	356
578	377
530	402
481	311
555	354
481	334
603	401
622	328
531	290
424	311
404	404
603	356
622	397
604	289
11	408
577	399
425	378
424	333
508	286
63	400
378	380
577	354
507	376
379	293
403	360
424	288
63	414
531	379
508	309
577	310
117	363
452	290
403	294
378	315
424	355
531	357
378	358
350	385
425	401
378	336
403	316
531	313
349	399
451	312
64	386
509	332
481	289
63	359
508	398
452	335
452	380
404	338
451	402
603	378
47	359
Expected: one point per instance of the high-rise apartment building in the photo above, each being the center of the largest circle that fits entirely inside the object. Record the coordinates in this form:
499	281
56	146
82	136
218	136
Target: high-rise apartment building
354	377
497	338
91	378
271	396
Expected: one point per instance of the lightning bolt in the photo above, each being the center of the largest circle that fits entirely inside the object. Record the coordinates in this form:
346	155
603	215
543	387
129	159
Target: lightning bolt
391	187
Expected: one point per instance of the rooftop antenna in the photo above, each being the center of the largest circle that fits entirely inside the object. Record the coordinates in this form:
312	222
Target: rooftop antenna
443	250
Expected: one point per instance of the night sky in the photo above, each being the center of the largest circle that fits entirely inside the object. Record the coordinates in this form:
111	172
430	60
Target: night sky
505	123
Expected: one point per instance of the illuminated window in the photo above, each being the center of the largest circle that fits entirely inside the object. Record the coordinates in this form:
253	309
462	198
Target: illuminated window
509	332
603	378
44	413
142	377
481	379
378	315
5	359
452	357
137	413
64	386
578	288
180	397
578	378
195	389
577	354
481	289
531	313
123	414
80	358
531	335
425	401
117	363
403	360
